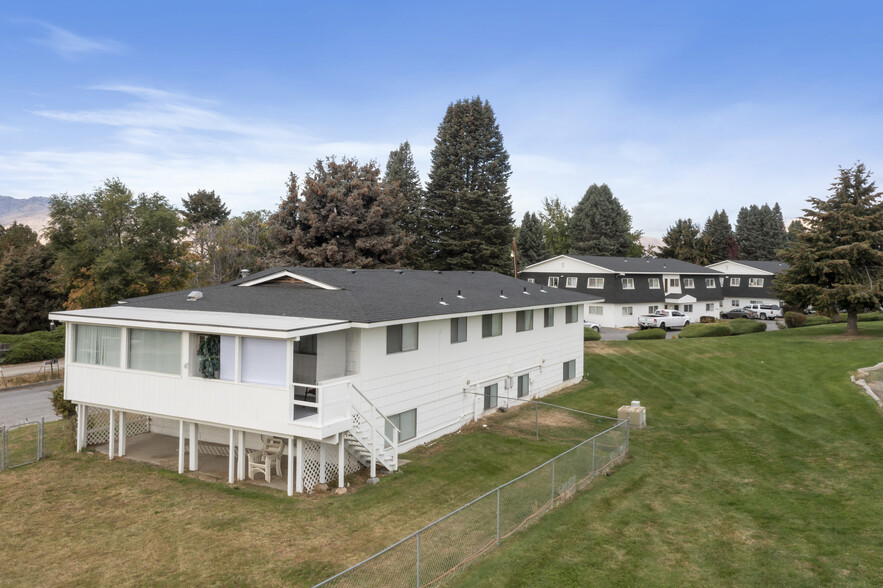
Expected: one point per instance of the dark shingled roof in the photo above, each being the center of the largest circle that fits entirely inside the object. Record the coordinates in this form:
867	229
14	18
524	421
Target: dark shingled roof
367	295
644	265
773	267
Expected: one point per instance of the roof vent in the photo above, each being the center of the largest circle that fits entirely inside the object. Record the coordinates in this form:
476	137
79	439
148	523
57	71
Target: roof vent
244	273
121	302
400	271
503	295
525	291
460	296
195	295
352	271
543	290
442	301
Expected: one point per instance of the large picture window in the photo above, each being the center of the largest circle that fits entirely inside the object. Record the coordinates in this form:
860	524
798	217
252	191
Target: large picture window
155	351
213	357
263	361
492	325
595	283
97	345
406	423
401	337
755	282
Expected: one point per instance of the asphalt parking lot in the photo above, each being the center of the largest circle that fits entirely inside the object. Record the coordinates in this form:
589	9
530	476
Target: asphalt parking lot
614	334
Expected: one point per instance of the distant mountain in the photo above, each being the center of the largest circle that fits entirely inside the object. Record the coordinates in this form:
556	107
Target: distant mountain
33	212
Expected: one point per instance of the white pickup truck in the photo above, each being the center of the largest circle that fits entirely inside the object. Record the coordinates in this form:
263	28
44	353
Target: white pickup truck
663	319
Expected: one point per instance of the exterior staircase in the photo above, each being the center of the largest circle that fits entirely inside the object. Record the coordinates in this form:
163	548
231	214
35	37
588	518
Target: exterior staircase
367	440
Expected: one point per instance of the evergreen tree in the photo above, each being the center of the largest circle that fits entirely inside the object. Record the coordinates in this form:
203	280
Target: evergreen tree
794	229
346	218
401	176
468	208
112	245
27	292
718	235
760	232
837	263
600	225
283	224
203	207
556	222
531	242
682	241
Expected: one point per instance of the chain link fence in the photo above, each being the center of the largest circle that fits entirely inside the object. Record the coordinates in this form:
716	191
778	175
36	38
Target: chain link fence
29	442
439	550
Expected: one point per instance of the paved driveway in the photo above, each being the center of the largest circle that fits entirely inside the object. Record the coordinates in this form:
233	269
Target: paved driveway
29	403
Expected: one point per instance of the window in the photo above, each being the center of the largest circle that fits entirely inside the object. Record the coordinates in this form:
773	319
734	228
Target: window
406	422
263	361
571	314
531	281
401	338
490	396
595	310
674	282
709	282
755	302
652	309
709	306
627	311
308	345
654	283
492	325
569	370
688	283
628	283
755	282
523	321
571	283
595	283
553	281
688	308
548	317
458	329
735	281
155	351
523	385
734	303
97	345
213	357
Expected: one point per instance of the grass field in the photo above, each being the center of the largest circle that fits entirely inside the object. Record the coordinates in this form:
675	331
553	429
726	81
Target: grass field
761	466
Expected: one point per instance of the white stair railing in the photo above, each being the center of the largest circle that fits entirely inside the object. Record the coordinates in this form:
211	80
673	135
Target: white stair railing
374	440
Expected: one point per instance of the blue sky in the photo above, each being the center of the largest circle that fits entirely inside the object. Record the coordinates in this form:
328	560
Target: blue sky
681	108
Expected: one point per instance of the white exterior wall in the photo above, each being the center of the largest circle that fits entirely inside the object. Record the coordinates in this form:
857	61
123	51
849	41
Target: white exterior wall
438	376
728	301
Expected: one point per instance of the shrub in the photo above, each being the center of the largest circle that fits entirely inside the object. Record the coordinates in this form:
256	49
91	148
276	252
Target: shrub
646	334
816	319
36	346
743	326
794	319
707	330
870	316
591	334
707	319
63	408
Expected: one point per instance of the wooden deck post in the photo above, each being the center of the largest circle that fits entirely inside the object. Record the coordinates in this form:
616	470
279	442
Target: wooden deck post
111	435
181	446
194	447
290	466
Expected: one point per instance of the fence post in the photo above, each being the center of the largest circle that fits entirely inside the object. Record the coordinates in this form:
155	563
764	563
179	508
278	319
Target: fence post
498	516
40	430
537	417
418	558
593	456
553	482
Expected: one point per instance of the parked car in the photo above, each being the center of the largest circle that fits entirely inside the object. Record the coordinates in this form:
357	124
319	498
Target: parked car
591	325
735	313
764	311
663	319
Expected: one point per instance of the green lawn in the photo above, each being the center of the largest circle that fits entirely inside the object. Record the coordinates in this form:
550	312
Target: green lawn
761	467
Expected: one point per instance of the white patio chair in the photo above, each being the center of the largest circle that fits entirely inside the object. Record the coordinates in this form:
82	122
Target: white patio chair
262	461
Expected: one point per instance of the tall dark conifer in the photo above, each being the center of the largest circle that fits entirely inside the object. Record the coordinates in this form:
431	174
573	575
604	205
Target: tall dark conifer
600	225
401	176
682	242
531	242
283	224
718	236
760	232
468	207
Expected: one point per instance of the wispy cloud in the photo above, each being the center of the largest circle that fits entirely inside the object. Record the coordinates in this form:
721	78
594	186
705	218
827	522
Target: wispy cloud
70	45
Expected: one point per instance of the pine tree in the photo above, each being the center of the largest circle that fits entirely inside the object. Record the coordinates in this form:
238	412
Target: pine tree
682	241
600	225
531	242
794	229
718	235
555	217
468	207
760	232
837	263
346	218
203	207
401	176
283	224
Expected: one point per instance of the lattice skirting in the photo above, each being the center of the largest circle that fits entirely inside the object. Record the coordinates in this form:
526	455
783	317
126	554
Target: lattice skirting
98	425
311	463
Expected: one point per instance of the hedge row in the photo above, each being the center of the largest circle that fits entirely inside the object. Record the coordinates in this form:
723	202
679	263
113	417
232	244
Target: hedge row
706	330
36	346
653	333
590	334
743	326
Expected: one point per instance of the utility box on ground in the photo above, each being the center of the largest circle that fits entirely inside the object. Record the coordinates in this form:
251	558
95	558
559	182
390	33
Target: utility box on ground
635	414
